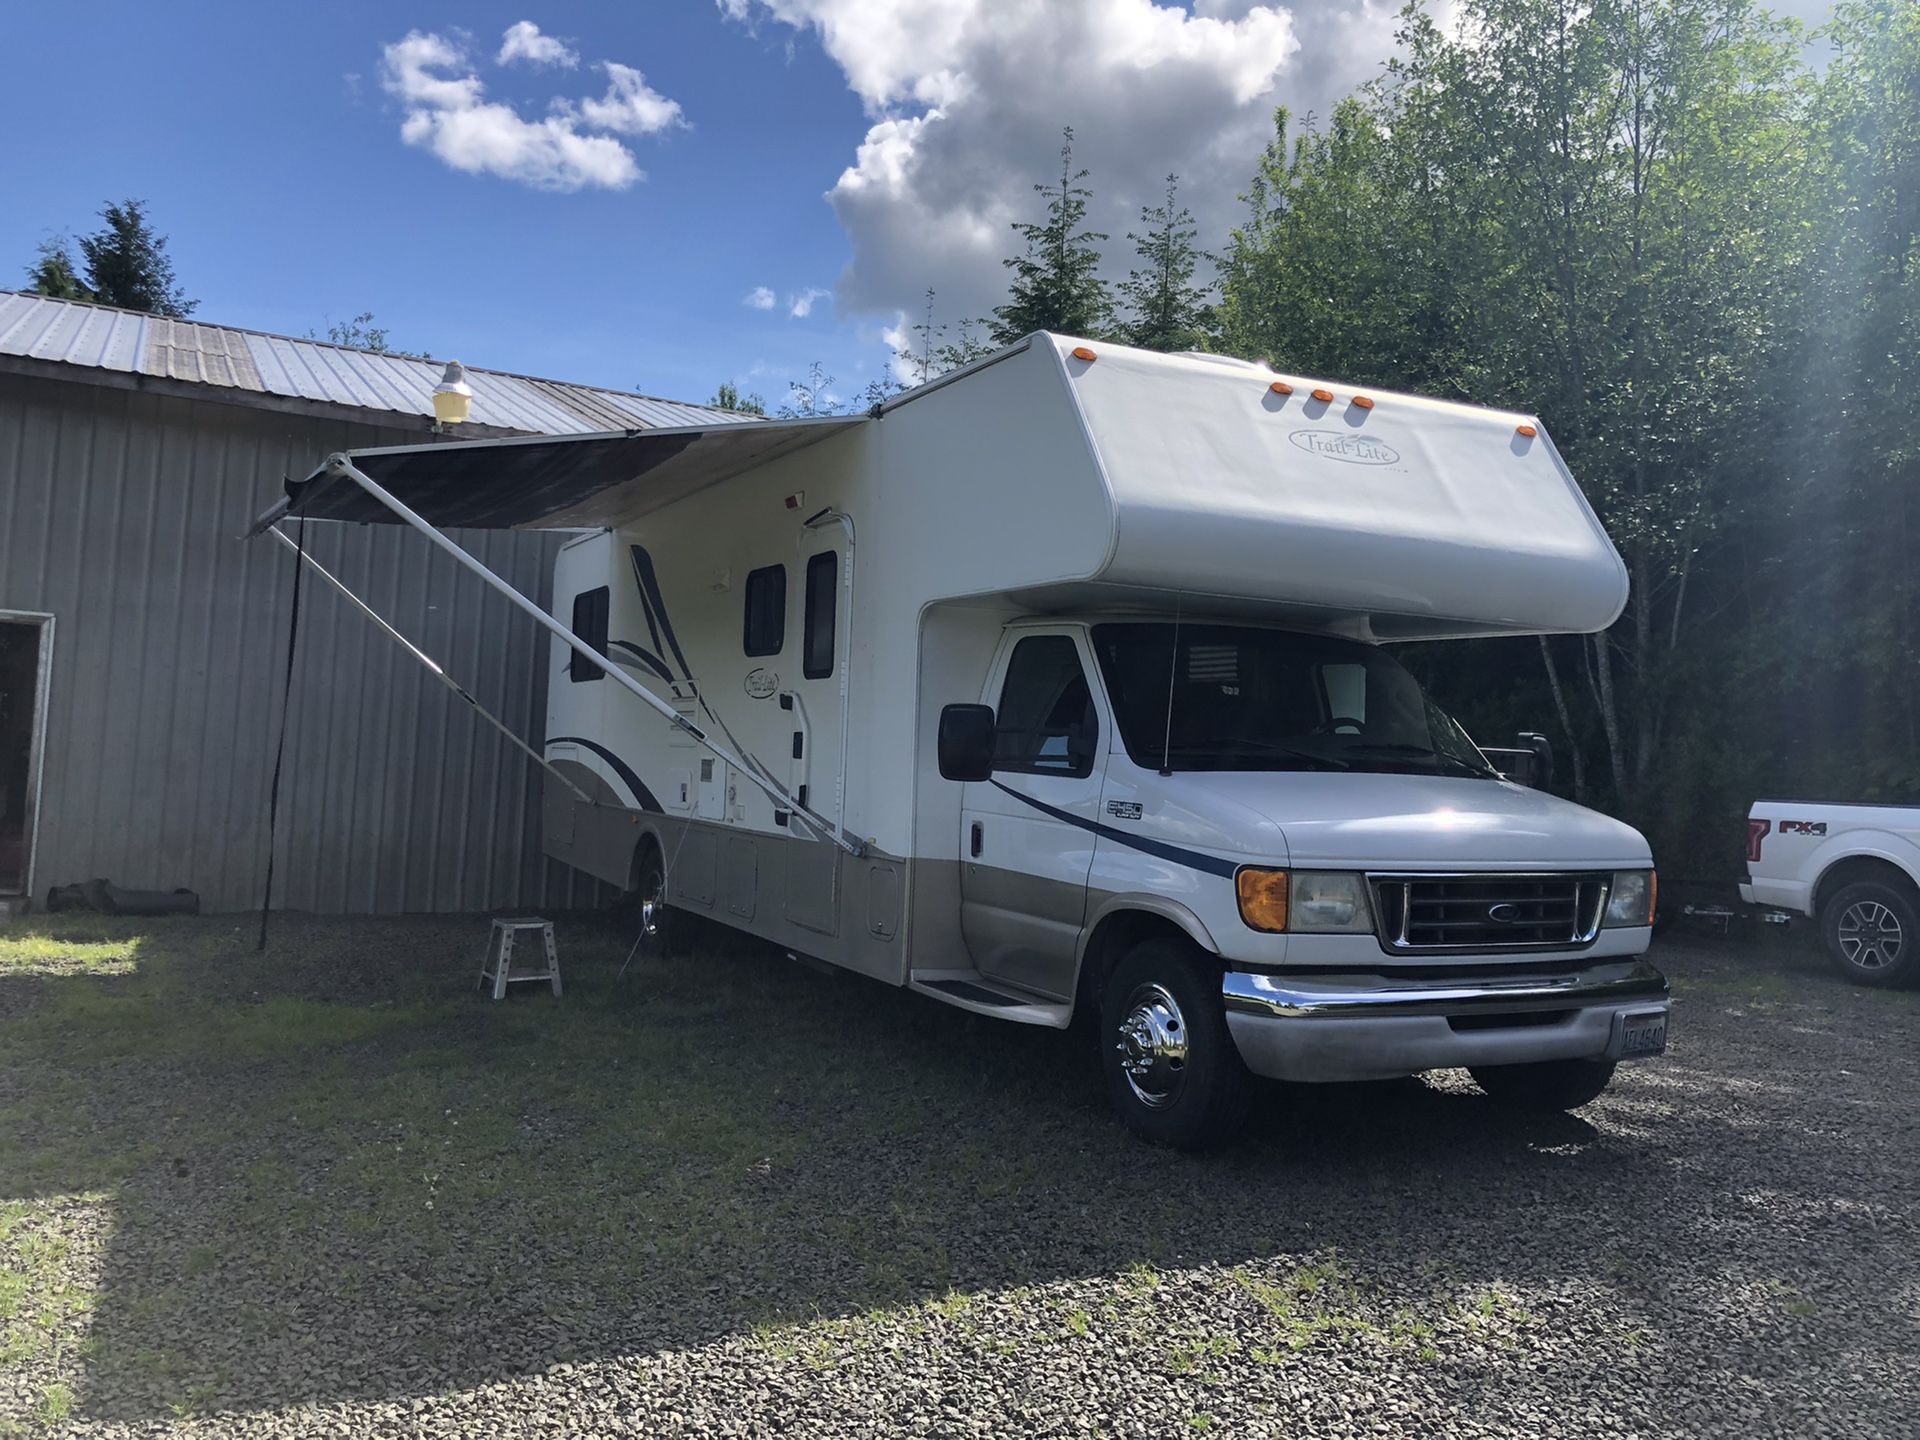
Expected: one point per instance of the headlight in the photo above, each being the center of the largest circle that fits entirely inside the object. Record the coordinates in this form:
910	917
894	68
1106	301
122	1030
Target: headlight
1633	898
1310	901
1329	902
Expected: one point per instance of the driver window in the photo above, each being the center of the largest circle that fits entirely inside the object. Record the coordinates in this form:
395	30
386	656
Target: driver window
1046	722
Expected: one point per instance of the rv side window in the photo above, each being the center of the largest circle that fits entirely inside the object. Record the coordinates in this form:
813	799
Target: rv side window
765	626
1047	724
590	624
816	652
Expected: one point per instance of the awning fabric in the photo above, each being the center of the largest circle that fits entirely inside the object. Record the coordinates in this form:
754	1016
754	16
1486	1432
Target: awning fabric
564	483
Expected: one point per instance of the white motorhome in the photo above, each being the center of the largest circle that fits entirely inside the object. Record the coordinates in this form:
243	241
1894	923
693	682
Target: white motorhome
1056	687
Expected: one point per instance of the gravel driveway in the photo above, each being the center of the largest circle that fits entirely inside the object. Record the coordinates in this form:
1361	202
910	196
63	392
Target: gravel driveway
327	1191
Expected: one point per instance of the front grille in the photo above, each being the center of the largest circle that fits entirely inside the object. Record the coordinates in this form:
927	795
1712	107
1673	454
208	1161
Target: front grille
1439	914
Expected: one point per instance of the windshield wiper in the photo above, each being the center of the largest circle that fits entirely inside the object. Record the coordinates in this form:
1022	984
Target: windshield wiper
1312	757
1423	752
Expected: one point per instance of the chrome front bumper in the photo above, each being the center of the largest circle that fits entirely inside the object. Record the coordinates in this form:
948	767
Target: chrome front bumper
1374	1027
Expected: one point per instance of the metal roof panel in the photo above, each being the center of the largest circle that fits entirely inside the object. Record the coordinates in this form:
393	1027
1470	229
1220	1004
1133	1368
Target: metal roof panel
99	337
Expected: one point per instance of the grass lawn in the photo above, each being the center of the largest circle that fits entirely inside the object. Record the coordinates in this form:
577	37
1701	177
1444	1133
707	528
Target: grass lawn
277	1164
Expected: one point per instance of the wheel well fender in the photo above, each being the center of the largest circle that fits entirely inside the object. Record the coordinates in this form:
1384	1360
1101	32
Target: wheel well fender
649	841
1853	869
1120	923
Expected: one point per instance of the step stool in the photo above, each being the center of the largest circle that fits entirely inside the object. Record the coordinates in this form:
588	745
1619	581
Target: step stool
498	965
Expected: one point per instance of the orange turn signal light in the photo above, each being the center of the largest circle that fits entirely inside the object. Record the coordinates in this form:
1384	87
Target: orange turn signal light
1363	402
1525	431
1263	898
1325	397
1081	352
1280	387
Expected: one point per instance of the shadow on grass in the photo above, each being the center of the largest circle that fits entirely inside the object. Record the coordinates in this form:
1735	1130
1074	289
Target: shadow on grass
335	1171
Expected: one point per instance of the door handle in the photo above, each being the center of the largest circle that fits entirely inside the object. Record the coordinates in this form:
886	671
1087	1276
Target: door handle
974	839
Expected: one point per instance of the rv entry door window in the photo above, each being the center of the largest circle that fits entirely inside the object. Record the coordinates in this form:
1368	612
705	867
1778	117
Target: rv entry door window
823	586
590	609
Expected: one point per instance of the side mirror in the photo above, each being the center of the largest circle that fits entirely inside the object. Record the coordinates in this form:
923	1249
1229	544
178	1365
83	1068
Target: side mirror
966	742
1540	772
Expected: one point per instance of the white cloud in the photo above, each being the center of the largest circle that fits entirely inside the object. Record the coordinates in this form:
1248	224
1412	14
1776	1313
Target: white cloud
631	106
966	100
759	298
800	303
523	41
448	114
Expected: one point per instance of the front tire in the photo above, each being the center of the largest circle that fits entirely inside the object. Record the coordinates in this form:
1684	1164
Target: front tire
1545	1085
1173	1074
1873	934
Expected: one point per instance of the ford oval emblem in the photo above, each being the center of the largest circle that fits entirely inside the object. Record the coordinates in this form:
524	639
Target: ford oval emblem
1505	913
1348	449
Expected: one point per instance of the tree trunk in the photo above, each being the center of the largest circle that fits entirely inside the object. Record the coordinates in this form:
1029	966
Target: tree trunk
1566	722
1623	799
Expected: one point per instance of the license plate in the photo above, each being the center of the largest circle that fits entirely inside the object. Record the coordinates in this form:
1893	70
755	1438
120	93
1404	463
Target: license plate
1637	1034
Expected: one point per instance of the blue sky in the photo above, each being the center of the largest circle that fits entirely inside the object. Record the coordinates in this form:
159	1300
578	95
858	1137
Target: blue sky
290	200
307	161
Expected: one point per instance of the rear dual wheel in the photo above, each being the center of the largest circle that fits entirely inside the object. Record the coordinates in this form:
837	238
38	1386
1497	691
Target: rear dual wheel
661	926
1173	1075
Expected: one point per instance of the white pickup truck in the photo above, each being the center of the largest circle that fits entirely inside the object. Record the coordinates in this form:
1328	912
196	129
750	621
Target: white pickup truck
1853	868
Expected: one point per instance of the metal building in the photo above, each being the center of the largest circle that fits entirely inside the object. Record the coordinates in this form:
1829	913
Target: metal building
143	645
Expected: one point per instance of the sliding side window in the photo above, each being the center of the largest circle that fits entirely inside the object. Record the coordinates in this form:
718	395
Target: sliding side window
764	630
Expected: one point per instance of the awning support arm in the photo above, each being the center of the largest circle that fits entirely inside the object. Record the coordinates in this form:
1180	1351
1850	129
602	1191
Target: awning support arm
433	666
341	465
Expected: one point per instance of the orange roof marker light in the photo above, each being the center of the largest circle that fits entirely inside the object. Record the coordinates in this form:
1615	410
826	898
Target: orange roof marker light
1082	352
1280	387
1325	397
1525	431
1364	402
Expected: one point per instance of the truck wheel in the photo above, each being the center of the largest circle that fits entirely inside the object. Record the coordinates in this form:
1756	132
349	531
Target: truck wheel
1873	934
1173	1073
661	926
1544	1084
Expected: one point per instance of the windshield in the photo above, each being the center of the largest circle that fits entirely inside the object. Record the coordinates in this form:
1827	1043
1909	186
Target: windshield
1252	699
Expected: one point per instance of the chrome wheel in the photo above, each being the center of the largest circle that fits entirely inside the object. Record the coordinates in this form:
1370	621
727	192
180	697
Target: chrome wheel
1870	935
1153	1046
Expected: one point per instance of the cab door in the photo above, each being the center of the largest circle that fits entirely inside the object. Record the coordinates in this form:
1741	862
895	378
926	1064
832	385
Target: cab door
1027	832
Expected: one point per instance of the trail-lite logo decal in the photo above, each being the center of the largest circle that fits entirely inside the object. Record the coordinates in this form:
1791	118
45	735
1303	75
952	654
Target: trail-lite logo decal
1348	449
1124	809
1803	827
762	683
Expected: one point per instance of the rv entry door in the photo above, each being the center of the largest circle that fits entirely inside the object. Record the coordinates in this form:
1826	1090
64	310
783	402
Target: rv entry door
1027	832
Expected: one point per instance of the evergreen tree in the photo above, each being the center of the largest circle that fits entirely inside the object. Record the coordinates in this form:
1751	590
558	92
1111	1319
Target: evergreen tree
53	273
932	352
1056	283
1166	310
728	397
127	264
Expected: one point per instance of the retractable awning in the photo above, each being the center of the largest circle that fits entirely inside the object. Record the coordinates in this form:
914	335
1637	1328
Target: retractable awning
547	483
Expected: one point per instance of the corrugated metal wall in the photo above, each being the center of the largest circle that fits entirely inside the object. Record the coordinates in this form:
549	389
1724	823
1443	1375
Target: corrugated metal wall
119	514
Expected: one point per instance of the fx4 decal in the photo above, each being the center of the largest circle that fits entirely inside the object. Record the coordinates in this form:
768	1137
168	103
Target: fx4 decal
1803	827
